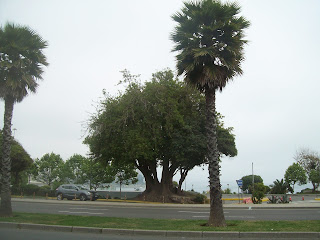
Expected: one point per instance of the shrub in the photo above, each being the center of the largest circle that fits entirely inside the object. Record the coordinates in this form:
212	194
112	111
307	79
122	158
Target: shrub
258	193
199	198
29	189
44	190
15	190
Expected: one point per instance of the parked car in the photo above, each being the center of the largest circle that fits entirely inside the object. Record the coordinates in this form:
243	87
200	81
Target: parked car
71	191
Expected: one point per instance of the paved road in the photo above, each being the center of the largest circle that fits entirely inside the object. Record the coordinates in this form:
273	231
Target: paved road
163	212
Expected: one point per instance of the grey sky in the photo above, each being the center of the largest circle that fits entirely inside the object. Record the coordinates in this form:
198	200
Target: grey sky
273	107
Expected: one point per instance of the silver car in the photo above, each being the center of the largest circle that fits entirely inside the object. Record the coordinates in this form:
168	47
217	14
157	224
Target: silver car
71	191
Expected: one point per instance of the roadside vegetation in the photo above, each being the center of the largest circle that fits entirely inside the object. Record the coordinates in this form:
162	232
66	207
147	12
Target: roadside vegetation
163	123
164	224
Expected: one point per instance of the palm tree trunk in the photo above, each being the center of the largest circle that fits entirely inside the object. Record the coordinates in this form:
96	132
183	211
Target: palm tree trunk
216	209
5	208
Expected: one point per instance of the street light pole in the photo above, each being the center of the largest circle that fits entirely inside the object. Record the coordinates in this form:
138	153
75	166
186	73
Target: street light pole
252	179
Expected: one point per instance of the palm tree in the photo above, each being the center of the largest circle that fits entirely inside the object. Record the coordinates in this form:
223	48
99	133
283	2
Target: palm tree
280	187
209	41
21	61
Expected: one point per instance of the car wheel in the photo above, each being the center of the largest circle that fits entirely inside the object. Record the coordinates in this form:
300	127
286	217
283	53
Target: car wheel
83	197
59	196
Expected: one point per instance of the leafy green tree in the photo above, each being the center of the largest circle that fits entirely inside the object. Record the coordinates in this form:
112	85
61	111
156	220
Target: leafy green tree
209	41
314	177
125	175
21	61
310	161
49	168
96	173
280	187
226	147
20	161
247	182
295	174
258	193
160	123
73	168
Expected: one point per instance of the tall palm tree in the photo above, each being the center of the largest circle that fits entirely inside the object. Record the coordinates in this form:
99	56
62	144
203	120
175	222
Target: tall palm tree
209	41
21	61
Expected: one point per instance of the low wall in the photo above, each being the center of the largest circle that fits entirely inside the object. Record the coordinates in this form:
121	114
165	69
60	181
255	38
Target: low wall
116	194
227	198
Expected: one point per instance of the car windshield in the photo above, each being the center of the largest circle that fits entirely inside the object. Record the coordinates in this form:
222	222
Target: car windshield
82	188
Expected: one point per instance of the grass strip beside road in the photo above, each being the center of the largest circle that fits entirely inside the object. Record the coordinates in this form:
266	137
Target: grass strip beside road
163	224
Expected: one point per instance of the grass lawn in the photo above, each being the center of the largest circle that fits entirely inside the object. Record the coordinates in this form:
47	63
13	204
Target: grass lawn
163	224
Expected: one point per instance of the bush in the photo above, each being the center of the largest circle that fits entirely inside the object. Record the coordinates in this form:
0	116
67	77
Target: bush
15	190
258	193
199	198
29	189
44	190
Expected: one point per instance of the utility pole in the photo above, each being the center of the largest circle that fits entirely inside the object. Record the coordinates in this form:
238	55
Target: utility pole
252	179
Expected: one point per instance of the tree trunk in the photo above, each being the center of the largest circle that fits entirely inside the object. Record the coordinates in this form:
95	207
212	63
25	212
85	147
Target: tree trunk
183	175
314	187
216	218
293	187
156	191
149	176
165	178
5	208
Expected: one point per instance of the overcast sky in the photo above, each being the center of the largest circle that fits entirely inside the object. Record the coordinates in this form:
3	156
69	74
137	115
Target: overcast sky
273	106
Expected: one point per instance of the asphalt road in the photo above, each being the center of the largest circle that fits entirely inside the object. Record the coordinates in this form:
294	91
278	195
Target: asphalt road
158	212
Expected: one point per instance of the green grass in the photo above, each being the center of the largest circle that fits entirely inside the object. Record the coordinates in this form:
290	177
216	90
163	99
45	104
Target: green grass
163	224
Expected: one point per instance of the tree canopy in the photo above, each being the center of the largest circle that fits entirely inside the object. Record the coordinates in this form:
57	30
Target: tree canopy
73	168
20	160
49	168
247	181
310	162
280	187
159	123
96	173
295	174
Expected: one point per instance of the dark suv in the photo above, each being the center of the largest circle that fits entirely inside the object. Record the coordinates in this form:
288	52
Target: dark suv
71	191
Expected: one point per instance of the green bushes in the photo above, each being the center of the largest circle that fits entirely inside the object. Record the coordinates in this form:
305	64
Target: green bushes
46	190
258	193
199	198
31	189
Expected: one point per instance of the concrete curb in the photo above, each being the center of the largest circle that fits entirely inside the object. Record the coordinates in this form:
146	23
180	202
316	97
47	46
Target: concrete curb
164	233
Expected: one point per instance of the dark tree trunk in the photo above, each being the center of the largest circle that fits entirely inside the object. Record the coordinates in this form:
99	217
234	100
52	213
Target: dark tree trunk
314	187
183	175
216	209
5	208
150	174
165	178
156	190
